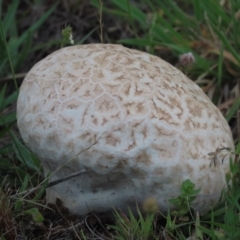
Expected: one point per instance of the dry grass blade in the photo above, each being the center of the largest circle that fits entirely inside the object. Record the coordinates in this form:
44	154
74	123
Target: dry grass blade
93	231
6	219
226	104
101	21
238	124
18	76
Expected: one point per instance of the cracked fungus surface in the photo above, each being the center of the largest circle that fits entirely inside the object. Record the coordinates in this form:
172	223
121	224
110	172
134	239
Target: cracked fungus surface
152	127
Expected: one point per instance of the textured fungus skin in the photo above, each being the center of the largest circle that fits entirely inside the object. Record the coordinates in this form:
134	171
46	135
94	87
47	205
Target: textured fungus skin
152	127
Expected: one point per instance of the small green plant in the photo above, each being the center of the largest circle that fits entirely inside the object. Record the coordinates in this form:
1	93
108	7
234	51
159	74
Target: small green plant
67	37
184	200
34	213
177	221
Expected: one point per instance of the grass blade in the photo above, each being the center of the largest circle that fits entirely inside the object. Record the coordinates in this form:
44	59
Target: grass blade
234	108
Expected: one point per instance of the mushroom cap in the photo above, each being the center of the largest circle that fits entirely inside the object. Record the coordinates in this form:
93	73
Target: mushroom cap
148	127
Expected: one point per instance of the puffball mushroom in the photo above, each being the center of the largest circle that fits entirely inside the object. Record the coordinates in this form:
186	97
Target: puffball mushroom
137	124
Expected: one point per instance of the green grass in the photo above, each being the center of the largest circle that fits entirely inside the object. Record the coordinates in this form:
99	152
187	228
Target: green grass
207	29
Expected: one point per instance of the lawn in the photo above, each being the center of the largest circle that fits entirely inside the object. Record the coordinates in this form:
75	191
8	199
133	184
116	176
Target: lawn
32	29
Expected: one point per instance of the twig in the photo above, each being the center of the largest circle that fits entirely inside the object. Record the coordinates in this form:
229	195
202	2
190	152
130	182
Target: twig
59	229
81	172
74	229
72	225
53	183
59	167
92	231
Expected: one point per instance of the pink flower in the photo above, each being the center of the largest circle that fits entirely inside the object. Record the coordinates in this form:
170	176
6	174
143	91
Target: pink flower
186	59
